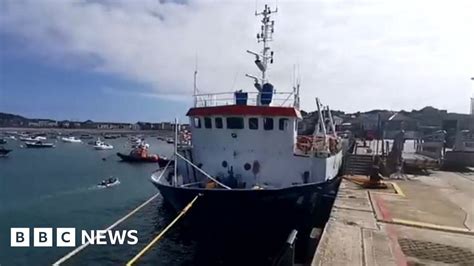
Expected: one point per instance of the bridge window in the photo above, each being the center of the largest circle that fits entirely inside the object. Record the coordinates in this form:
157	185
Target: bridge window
268	123
218	122
197	122
253	123
235	122
207	122
283	123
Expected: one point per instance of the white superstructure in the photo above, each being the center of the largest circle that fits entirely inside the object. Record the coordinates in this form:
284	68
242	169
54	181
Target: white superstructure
252	138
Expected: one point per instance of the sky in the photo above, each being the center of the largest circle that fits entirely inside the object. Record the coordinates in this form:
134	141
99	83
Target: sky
124	60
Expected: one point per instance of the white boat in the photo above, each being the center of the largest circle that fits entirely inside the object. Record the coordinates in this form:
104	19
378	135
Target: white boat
71	140
111	182
246	161
32	139
39	144
100	145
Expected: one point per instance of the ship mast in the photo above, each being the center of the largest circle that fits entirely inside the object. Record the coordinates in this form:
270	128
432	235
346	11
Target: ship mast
265	57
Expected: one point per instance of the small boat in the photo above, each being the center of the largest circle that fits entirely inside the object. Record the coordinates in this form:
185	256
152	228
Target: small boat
37	138
86	136
106	183
3	141
12	137
39	144
71	140
100	145
170	140
4	152
111	136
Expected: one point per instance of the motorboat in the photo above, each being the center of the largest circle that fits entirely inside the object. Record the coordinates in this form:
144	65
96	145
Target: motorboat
100	145
110	182
36	138
162	161
140	155
170	140
3	141
39	144
4	152
111	136
86	136
40	137
71	140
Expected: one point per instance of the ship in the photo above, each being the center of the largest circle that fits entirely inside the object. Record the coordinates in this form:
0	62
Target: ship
246	162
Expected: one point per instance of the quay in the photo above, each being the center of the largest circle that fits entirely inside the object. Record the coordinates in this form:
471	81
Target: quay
422	220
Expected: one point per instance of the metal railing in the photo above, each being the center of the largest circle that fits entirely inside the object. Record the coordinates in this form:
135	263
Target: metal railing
284	99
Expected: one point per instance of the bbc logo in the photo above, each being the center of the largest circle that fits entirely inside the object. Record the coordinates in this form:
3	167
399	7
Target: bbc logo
42	237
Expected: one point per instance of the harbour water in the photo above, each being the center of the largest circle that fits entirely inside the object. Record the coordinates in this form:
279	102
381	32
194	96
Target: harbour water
57	188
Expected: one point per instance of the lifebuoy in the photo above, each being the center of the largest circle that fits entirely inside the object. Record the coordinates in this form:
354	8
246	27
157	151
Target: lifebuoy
304	143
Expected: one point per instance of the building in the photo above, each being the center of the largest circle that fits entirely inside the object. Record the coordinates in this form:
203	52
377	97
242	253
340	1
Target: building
400	121
42	123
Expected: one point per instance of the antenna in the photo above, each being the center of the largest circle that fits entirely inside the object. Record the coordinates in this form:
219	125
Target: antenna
195	90
265	57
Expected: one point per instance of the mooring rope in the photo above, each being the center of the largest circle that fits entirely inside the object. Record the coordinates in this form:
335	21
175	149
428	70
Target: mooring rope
160	235
83	246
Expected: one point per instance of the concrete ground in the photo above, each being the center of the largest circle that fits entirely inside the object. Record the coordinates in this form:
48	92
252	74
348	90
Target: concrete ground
426	220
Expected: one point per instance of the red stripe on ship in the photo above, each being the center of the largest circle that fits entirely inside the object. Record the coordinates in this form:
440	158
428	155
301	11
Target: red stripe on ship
244	110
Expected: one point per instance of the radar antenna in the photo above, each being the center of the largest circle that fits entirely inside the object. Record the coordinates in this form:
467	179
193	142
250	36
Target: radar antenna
265	57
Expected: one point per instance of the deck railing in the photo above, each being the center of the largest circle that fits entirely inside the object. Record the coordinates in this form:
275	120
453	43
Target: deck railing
284	99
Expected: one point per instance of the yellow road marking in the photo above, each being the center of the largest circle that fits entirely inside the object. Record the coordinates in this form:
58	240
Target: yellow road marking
397	188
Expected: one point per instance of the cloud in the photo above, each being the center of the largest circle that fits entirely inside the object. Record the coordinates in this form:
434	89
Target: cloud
354	55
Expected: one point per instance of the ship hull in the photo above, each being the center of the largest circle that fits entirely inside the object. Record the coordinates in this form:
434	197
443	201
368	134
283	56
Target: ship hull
275	209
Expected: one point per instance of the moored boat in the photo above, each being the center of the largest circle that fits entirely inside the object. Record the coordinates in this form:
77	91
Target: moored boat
39	144
162	161
71	140
3	141
36	138
100	145
103	146
247	164
4	152
86	136
140	155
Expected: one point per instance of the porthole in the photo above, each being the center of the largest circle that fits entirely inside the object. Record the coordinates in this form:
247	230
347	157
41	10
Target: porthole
247	166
